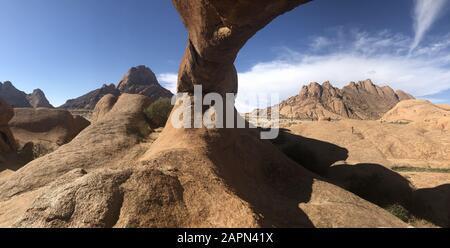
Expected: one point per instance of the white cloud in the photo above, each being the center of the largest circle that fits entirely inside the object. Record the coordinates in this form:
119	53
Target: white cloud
382	57
426	12
351	56
169	81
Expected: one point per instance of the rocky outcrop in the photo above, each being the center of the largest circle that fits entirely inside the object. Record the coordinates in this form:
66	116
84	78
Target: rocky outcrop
141	80
105	152
89	100
362	101
103	107
37	99
19	99
47	129
377	161
13	96
138	80
419	113
403	96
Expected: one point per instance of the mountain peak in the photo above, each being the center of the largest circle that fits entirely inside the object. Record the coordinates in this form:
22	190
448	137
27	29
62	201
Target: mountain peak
19	99
139	75
37	99
38	92
138	80
8	84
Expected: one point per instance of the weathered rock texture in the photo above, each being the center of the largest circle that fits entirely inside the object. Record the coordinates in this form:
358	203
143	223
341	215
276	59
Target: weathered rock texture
420	113
362	101
19	99
217	31
48	129
138	80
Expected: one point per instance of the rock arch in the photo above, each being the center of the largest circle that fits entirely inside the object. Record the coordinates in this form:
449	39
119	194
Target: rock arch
218	29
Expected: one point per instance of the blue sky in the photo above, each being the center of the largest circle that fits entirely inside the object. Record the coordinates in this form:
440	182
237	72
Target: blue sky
69	47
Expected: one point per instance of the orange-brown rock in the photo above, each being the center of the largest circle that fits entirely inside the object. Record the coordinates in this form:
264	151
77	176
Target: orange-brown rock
420	113
46	128
362	101
218	29
103	107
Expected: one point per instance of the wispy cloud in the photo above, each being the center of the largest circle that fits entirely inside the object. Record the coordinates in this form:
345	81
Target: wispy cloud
426	12
383	57
168	81
345	56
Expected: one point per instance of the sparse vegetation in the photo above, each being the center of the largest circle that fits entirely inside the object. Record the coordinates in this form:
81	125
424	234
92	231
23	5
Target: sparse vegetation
403	214
400	122
400	212
418	169
158	112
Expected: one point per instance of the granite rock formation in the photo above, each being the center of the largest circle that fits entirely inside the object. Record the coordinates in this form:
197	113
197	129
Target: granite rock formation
361	101
46	128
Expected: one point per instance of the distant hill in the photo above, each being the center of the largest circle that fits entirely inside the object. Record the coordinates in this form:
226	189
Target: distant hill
20	99
362	101
138	80
420	112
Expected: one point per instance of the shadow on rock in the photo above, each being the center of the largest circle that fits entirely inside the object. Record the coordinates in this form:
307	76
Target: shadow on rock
15	160
433	204
264	177
315	155
372	182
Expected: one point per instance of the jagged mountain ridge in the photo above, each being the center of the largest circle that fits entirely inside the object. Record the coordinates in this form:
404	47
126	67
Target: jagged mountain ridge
13	96
19	99
362	101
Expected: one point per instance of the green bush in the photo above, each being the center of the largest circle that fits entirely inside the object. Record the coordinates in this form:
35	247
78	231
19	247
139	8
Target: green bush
158	112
